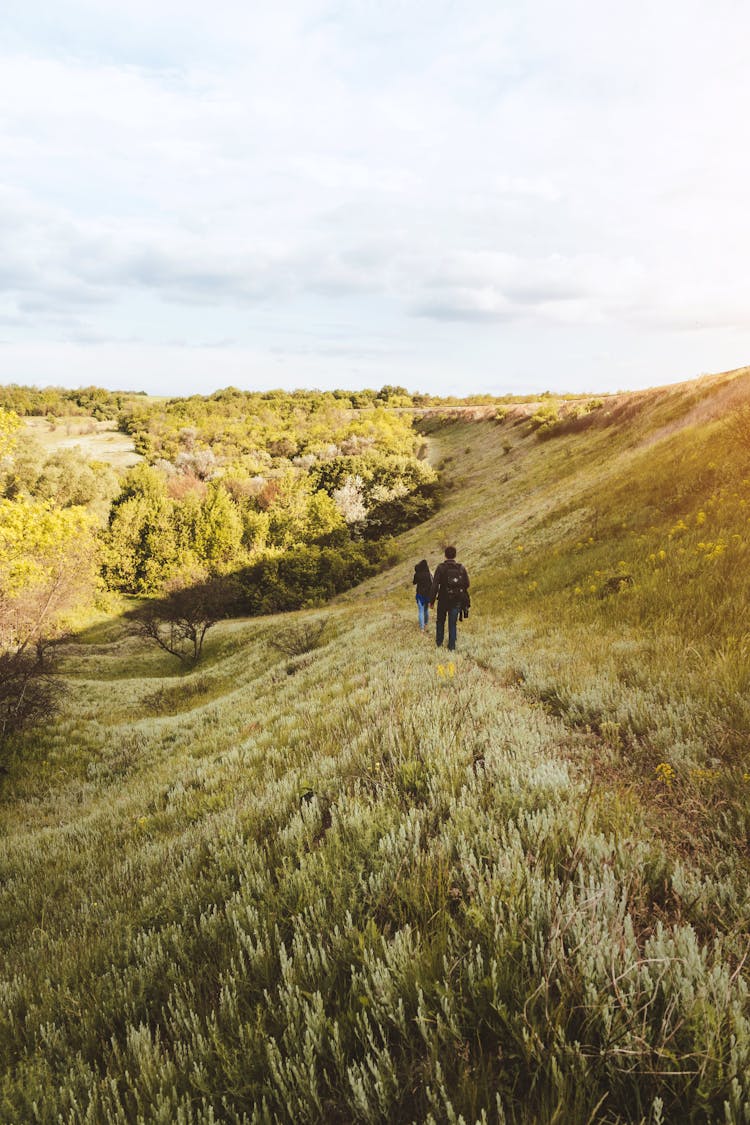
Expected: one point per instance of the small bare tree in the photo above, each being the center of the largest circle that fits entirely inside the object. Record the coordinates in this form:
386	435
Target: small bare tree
28	692
47	572
178	621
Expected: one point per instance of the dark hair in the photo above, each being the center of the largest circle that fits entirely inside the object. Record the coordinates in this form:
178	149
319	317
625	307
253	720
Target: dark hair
423	565
450	552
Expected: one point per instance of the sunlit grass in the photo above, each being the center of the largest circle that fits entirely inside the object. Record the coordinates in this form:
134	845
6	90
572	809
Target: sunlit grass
369	882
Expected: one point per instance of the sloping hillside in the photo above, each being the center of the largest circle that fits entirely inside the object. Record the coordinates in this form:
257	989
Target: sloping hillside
368	882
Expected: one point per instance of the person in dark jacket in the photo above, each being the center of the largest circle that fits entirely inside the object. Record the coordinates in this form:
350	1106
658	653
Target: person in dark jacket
450	586
423	582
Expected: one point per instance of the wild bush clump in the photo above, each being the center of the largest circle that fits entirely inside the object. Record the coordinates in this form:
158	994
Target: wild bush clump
300	639
544	420
308	576
551	420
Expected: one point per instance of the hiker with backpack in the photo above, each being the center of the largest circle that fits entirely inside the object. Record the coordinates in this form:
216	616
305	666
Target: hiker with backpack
450	586
423	581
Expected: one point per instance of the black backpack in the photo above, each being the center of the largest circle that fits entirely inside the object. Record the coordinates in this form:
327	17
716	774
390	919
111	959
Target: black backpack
453	582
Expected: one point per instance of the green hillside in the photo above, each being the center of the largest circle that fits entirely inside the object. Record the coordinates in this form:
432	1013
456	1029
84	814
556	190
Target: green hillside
372	882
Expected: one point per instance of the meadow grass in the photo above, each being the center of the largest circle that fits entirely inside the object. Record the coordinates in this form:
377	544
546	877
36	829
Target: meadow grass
372	882
98	440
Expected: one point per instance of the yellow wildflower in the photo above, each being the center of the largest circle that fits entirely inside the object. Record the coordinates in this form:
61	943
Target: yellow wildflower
664	772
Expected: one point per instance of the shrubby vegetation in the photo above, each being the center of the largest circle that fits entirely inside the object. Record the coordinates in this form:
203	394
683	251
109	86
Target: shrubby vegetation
47	571
333	878
310	574
65	478
562	417
59	401
282	487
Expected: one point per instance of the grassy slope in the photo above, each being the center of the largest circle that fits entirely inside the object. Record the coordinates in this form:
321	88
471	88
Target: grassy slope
367	884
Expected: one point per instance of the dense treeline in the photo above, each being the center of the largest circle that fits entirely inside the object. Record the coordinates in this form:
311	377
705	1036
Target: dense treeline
231	487
60	402
132	407
239	481
299	492
103	404
160	526
262	428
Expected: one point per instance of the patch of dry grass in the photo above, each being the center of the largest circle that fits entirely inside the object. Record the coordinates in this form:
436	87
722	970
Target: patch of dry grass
100	441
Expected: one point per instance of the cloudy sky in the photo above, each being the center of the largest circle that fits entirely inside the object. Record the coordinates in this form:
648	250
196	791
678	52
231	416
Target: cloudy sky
491	195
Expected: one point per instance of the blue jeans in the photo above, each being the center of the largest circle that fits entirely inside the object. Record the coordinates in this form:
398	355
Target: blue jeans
452	612
423	608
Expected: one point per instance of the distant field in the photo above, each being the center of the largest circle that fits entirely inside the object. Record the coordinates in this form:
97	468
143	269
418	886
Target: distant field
101	441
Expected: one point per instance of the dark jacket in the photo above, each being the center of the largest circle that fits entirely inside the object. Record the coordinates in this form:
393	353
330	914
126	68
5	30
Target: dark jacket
422	579
438	582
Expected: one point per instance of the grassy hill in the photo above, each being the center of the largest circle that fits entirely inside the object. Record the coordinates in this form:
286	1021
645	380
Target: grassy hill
372	882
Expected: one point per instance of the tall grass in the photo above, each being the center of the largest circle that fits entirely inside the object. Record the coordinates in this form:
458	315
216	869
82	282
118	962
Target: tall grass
395	885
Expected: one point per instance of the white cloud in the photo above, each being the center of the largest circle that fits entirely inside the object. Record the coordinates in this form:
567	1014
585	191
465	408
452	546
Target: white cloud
414	170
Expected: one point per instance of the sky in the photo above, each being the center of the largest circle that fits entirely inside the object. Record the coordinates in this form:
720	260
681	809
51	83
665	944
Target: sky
490	196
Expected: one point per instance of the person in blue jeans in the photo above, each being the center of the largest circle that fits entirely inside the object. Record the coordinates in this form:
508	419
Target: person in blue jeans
423	582
450	586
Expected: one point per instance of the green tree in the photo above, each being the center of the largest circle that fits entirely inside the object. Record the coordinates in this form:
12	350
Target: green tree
47	568
9	423
322	517
394	396
23	467
255	529
288	509
186	517
219	529
140	543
